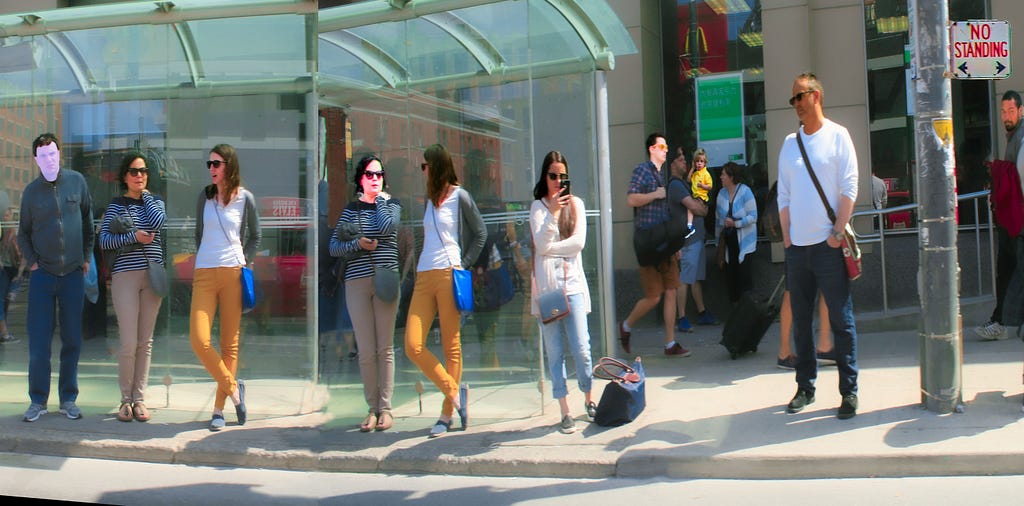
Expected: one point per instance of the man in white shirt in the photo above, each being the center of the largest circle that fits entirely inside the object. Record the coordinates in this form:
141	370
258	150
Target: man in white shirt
814	258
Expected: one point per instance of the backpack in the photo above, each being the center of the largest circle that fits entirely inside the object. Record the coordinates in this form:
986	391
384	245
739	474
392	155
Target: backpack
1007	201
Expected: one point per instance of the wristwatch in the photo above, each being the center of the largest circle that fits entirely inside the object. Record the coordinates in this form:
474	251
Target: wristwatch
838	235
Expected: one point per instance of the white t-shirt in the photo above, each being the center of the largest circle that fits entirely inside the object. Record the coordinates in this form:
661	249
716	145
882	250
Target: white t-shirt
834	160
441	242
220	245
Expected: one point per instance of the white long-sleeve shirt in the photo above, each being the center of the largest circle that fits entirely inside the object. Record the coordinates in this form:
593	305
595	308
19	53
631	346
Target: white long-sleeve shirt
834	160
558	260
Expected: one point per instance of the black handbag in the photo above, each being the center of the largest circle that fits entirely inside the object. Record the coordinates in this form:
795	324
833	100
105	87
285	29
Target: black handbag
624	397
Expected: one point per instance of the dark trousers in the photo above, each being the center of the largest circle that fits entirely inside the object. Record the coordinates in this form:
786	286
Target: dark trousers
1006	262
808	270
48	294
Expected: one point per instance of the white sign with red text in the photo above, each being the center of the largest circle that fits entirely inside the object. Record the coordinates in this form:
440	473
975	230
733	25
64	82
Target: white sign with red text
979	49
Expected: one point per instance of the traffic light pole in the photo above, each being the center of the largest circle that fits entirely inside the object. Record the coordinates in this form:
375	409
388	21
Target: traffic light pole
939	273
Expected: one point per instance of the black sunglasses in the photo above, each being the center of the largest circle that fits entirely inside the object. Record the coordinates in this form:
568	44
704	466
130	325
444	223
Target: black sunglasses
373	174
215	164
424	165
556	177
798	97
135	171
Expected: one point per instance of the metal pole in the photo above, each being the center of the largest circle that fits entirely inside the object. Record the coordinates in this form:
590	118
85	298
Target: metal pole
604	199
938	274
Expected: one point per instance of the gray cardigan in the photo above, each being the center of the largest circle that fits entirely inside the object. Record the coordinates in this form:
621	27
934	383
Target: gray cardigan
250	224
470	244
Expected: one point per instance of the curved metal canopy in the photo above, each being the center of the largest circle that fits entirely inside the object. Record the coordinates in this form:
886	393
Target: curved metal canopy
158	49
445	41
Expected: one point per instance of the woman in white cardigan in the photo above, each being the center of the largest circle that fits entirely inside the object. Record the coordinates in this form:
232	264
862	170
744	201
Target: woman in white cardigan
558	223
736	212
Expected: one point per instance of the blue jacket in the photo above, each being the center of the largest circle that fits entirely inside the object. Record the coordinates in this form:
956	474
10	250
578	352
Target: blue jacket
55	228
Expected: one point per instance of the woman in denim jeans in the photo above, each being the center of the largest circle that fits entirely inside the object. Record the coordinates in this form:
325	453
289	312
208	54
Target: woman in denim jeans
559	226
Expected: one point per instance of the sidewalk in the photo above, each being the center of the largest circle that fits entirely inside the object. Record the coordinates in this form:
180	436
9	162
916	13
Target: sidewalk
707	416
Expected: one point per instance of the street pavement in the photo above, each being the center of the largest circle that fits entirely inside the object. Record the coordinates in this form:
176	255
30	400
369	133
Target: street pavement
707	416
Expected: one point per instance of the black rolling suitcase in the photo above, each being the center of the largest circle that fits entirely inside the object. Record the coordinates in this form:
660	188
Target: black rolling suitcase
749	322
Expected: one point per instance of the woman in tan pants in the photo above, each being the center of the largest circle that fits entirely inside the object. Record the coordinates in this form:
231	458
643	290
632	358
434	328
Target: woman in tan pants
376	215
130	234
226	219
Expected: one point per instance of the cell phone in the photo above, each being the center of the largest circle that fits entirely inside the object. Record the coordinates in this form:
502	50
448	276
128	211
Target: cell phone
567	185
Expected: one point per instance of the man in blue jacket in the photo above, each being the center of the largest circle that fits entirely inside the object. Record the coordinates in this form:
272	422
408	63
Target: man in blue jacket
55	234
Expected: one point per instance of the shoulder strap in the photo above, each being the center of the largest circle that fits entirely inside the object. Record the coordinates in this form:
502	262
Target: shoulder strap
814	178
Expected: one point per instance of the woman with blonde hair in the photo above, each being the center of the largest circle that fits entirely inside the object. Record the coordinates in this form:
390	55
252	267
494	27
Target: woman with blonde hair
227	235
453	237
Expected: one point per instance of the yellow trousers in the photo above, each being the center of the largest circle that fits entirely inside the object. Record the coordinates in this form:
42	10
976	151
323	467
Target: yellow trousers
219	287
432	295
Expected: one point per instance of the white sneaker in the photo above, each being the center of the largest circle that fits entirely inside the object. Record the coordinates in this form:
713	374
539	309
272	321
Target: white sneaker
991	331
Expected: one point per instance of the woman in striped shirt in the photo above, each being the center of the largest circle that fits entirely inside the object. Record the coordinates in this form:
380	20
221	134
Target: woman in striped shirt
135	302
376	215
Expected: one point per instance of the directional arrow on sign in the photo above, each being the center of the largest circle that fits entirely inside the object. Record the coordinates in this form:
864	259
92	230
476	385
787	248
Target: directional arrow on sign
1000	67
963	68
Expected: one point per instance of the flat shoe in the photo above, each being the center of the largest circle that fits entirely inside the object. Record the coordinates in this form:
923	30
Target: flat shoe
216	423
439	428
385	421
124	413
369	423
240	407
140	411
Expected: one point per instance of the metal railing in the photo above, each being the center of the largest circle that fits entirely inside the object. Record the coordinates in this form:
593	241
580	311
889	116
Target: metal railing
879	234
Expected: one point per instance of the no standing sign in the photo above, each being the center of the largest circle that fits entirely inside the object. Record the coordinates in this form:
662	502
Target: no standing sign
979	49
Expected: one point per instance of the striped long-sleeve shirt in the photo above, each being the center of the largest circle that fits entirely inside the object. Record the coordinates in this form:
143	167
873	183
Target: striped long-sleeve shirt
376	221
147	214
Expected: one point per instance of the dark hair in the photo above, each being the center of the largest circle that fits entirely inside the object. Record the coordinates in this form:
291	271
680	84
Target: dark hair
675	156
652	139
1012	95
441	174
566	220
125	162
734	171
44	140
232	178
364	162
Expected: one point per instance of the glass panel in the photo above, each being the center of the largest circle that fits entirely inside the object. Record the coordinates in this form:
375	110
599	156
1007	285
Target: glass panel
174	130
251	48
35	63
890	108
132	55
337	62
489	129
715	38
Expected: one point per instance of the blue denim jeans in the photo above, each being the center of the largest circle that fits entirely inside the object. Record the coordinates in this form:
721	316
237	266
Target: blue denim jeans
808	270
46	293
574	327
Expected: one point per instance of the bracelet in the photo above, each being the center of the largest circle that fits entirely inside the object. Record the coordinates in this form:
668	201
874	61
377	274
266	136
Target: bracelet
838	235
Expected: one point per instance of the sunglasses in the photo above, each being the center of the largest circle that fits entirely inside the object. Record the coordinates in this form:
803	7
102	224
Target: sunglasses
557	177
798	97
215	164
424	165
661	146
135	171
373	174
